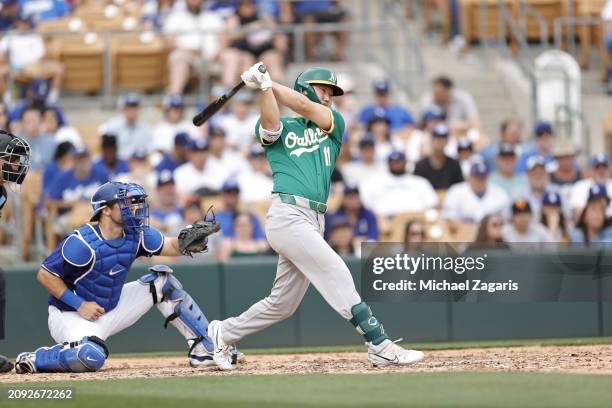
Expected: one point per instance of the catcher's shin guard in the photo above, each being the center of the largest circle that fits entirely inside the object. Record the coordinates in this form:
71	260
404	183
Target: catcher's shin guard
87	354
181	311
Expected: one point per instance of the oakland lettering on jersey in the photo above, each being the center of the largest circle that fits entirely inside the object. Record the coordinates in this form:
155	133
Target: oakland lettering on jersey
311	137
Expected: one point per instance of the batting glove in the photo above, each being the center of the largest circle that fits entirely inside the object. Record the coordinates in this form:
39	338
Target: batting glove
249	80
262	78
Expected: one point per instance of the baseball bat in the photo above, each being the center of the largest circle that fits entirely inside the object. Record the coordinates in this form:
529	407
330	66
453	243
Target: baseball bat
214	106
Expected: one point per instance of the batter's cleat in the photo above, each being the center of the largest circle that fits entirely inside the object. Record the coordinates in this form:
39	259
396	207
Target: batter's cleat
5	365
201	360
221	355
237	356
389	353
24	363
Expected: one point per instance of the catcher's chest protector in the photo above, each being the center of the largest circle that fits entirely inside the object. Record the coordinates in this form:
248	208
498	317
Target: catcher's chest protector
108	272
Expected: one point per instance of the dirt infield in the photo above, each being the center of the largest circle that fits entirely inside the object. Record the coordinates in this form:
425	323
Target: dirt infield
592	359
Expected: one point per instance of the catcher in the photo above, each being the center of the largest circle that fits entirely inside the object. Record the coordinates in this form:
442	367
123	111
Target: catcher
90	300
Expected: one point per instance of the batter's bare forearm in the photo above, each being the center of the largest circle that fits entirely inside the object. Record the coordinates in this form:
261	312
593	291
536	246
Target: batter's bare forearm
270	113
301	105
54	285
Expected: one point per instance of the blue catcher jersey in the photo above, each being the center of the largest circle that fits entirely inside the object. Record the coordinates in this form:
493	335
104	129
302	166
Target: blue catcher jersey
95	268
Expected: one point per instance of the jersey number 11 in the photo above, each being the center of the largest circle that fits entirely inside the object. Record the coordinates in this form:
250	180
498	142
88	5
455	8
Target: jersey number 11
327	153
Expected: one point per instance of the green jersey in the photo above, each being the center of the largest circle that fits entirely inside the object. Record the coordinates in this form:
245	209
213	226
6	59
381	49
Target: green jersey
303	157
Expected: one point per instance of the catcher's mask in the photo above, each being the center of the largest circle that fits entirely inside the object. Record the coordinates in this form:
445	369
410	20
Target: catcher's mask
14	157
132	201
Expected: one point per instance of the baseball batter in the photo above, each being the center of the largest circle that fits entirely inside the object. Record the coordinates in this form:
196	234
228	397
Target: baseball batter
89	301
302	152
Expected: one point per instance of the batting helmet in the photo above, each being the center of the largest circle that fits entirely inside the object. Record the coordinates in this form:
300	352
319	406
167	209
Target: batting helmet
14	157
132	200
312	76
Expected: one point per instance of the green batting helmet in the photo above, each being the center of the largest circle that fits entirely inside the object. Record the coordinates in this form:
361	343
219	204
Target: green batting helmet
313	76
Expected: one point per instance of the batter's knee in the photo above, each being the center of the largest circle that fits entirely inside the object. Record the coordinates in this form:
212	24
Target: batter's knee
281	308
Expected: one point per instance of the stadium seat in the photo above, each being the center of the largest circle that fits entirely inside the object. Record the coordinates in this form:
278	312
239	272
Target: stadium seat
587	33
83	62
470	18
139	63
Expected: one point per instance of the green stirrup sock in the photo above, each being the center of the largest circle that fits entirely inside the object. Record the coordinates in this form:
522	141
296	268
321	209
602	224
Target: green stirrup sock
367	324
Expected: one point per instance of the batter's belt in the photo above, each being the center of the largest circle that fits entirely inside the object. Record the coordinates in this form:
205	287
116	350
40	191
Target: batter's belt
321	208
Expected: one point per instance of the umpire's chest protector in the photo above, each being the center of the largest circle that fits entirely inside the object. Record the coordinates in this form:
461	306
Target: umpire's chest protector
110	264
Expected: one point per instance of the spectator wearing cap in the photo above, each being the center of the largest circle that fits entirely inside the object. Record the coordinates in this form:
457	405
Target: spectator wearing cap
42	145
63	160
140	171
132	133
439	169
75	185
230	196
24	53
458	105
510	132
173	122
397	191
379	127
166	215
177	156
544	144
505	176
522	229
418	144
238	123
256	183
553	218
46	10
366	165
538	183
190	48
194	176
566	171
223	162
399	117
465	155
600	174
594	225
362	221
37	95
109	161
474	198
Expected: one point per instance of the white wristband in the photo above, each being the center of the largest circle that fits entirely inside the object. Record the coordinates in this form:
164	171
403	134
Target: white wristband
269	136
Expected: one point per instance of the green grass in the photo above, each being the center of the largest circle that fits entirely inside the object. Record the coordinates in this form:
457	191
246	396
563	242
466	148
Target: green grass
387	390
419	346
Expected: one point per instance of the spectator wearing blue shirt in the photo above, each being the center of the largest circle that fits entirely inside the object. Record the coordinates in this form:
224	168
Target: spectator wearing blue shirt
544	143
178	155
63	160
362	221
109	162
36	95
510	133
45	10
594	226
166	215
8	14
230	192
72	187
399	117
42	145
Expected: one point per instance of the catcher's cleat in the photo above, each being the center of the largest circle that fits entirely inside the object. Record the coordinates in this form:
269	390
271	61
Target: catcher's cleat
237	356
201	361
221	354
389	353
5	365
24	363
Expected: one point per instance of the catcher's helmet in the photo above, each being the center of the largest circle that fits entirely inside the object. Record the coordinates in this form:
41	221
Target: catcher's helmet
14	157
132	200
312	76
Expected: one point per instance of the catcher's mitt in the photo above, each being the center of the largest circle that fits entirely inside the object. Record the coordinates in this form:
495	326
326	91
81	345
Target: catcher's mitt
194	238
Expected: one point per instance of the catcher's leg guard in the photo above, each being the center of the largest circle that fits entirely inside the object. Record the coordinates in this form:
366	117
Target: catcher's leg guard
181	311
367	324
88	354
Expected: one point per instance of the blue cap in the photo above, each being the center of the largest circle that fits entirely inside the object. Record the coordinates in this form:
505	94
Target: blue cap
339	221
40	89
600	159
543	128
479	169
230	185
173	101
367	140
378	114
139	154
130	99
182	139
381	86
535	161
598	191
198	144
551	198
433	113
440	130
396	155
165	177
351	188
464	144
